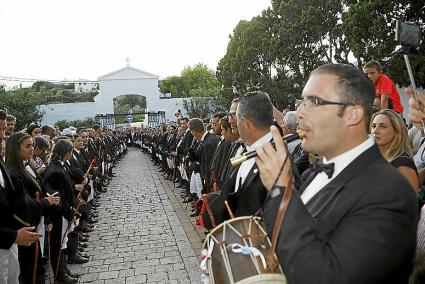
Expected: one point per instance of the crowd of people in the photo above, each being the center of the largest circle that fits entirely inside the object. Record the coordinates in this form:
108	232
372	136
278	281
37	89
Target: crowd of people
353	170
353	215
50	186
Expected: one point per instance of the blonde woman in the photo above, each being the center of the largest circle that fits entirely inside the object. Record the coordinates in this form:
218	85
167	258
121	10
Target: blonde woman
390	133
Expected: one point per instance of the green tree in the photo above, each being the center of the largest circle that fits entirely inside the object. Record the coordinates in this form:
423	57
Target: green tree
23	104
370	30
85	123
191	78
277	50
248	62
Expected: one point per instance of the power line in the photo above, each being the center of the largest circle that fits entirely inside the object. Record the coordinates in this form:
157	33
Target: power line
18	79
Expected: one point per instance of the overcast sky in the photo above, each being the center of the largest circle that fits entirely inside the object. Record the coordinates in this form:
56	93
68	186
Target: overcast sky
58	39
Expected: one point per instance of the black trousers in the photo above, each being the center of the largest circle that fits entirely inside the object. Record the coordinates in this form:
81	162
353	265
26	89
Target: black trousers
55	241
28	265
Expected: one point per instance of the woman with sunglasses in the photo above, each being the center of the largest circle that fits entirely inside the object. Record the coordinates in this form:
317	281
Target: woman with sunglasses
33	204
390	133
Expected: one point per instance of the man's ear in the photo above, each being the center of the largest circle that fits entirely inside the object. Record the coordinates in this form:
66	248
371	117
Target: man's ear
354	115
247	123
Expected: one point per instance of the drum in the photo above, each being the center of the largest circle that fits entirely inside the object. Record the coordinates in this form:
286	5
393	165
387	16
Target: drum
239	251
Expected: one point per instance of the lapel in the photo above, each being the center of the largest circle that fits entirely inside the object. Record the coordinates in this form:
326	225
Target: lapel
326	195
250	177
7	181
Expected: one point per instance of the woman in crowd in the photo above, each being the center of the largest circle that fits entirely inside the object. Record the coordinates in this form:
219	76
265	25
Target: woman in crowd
33	205
390	133
34	130
57	179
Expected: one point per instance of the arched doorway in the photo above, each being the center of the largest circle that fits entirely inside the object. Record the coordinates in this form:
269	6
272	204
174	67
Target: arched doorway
129	104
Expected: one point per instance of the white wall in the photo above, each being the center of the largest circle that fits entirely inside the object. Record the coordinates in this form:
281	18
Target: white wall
71	111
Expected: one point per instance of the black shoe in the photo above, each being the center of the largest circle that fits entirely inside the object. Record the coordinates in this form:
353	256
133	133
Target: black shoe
83	245
82	239
77	259
83	255
85	235
66	279
188	199
94	214
73	275
193	214
91	220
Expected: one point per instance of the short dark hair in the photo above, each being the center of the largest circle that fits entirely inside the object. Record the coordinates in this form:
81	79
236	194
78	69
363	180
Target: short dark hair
41	143
10	117
224	122
45	128
184	118
31	128
3	115
353	87
373	64
61	147
196	124
257	107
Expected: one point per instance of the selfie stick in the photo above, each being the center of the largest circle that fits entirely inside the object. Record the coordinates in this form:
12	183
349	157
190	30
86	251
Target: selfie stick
412	81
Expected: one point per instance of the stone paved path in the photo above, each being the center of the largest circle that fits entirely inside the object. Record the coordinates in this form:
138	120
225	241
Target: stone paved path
139	237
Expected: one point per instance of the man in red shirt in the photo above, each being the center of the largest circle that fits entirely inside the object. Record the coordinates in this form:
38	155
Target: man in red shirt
387	96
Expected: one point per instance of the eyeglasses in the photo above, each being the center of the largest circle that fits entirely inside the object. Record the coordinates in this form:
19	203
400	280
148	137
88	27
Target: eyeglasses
231	114
310	102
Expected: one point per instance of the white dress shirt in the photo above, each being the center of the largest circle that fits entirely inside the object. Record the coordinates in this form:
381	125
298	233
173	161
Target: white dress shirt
2	182
29	169
340	163
246	166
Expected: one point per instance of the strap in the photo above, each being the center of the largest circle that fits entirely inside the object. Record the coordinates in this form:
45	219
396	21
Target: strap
210	214
283	207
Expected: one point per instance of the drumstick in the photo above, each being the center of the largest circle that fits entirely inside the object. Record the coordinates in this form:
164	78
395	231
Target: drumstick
228	209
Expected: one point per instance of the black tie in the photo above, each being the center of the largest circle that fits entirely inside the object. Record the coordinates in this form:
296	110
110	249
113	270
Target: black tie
327	168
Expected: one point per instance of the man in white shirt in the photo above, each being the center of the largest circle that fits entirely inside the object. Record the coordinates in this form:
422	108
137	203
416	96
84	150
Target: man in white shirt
254	116
356	221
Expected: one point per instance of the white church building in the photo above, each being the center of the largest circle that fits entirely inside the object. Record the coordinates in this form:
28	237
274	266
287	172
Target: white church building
125	81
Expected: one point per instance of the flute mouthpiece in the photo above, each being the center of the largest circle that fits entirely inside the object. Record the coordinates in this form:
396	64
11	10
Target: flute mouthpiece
302	134
238	160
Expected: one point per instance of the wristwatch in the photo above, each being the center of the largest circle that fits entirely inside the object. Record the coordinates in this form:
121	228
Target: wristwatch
276	191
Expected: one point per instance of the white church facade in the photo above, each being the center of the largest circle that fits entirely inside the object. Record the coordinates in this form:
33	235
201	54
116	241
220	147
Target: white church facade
125	81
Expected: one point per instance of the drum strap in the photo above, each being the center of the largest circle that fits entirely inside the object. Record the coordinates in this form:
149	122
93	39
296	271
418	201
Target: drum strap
281	214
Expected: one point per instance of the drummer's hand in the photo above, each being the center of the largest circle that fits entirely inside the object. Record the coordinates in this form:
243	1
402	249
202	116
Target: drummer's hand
416	115
269	161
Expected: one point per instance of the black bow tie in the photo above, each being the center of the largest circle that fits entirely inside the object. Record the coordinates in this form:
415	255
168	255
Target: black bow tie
327	168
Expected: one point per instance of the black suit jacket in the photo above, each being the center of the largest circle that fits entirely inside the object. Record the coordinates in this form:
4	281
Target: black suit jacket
208	146
26	206
8	228
58	180
250	196
360	228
